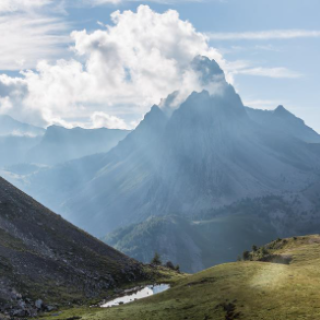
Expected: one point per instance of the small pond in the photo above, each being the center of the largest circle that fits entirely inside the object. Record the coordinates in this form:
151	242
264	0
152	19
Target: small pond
137	295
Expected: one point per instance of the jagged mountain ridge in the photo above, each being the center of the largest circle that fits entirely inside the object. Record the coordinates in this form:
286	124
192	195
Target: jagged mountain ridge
44	257
208	154
24	145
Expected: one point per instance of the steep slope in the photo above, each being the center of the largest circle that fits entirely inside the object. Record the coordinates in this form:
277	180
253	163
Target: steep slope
286	288
44	257
284	122
10	126
60	144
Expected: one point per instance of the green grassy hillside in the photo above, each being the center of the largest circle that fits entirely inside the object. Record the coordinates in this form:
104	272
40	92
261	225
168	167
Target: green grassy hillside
241	290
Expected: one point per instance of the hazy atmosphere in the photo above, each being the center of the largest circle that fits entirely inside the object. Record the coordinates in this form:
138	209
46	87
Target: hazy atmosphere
159	159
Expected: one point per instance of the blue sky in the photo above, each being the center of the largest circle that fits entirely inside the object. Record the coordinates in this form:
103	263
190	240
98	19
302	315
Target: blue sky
271	48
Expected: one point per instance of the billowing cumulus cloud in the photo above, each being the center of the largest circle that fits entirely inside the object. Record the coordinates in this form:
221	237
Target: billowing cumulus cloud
117	72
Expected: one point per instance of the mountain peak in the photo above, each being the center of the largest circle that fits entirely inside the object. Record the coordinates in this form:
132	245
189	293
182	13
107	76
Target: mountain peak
148	130
282	111
55	127
54	132
202	104
154	110
154	117
209	70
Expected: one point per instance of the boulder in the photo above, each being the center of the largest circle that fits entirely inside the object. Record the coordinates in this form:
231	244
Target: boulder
38	304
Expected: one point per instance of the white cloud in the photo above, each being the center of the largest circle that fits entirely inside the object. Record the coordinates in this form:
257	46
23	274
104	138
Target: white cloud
26	38
9	6
128	67
13	91
5	105
101	119
245	67
262	104
264	35
30	32
276	73
116	73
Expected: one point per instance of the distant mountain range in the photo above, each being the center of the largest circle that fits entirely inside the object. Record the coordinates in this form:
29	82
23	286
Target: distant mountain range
60	144
211	153
12	127
44	257
21	143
